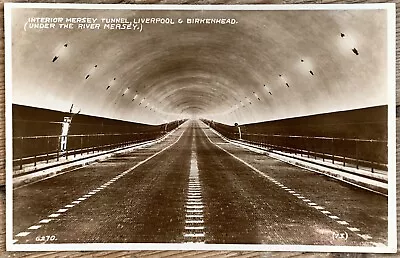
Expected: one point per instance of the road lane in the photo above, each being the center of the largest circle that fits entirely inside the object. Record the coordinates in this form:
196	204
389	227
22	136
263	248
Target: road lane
364	211
36	202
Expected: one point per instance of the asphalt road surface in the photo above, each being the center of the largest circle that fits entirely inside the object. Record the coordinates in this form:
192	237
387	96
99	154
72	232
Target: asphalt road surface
196	187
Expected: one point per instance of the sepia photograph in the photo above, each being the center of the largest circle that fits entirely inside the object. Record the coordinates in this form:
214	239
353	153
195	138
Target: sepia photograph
200	127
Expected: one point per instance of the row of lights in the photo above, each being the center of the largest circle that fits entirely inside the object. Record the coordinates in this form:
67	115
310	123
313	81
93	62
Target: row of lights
342	35
110	84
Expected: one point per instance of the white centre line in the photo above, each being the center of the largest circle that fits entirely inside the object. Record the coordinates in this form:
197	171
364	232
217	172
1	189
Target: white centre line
194	223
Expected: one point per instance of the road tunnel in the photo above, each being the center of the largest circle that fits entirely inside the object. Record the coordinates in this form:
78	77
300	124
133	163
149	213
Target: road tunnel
223	126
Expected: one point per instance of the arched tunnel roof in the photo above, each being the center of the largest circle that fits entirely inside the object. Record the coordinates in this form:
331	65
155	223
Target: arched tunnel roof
269	65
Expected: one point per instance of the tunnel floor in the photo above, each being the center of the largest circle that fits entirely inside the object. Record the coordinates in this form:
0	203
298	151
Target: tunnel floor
196	187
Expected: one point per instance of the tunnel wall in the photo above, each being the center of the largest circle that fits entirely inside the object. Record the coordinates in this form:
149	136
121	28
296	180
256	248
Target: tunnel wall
37	133
31	121
359	135
366	123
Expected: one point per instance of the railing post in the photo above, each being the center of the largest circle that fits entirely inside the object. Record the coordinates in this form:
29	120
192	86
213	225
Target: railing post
81	150
48	147
333	151
21	148
357	161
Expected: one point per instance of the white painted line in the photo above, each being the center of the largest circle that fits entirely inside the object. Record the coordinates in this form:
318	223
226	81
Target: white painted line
75	202
194	211
353	229
194	221
55	215
296	194
194	206
319	207
22	234
194	191
14	241
194	228
334	217
35	227
45	221
301	197
306	200
194	216
62	210
325	212
87	195
365	237
194	194
342	222
288	189
81	199
93	192
195	202
312	204
194	235
292	192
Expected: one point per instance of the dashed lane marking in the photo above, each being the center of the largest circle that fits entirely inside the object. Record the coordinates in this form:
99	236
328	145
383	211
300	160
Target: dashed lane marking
35	227
194	235
194	228
293	192
365	237
98	189
194	211
23	234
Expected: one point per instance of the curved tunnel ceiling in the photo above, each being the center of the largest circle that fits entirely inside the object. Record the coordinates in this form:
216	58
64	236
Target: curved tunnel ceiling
256	70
